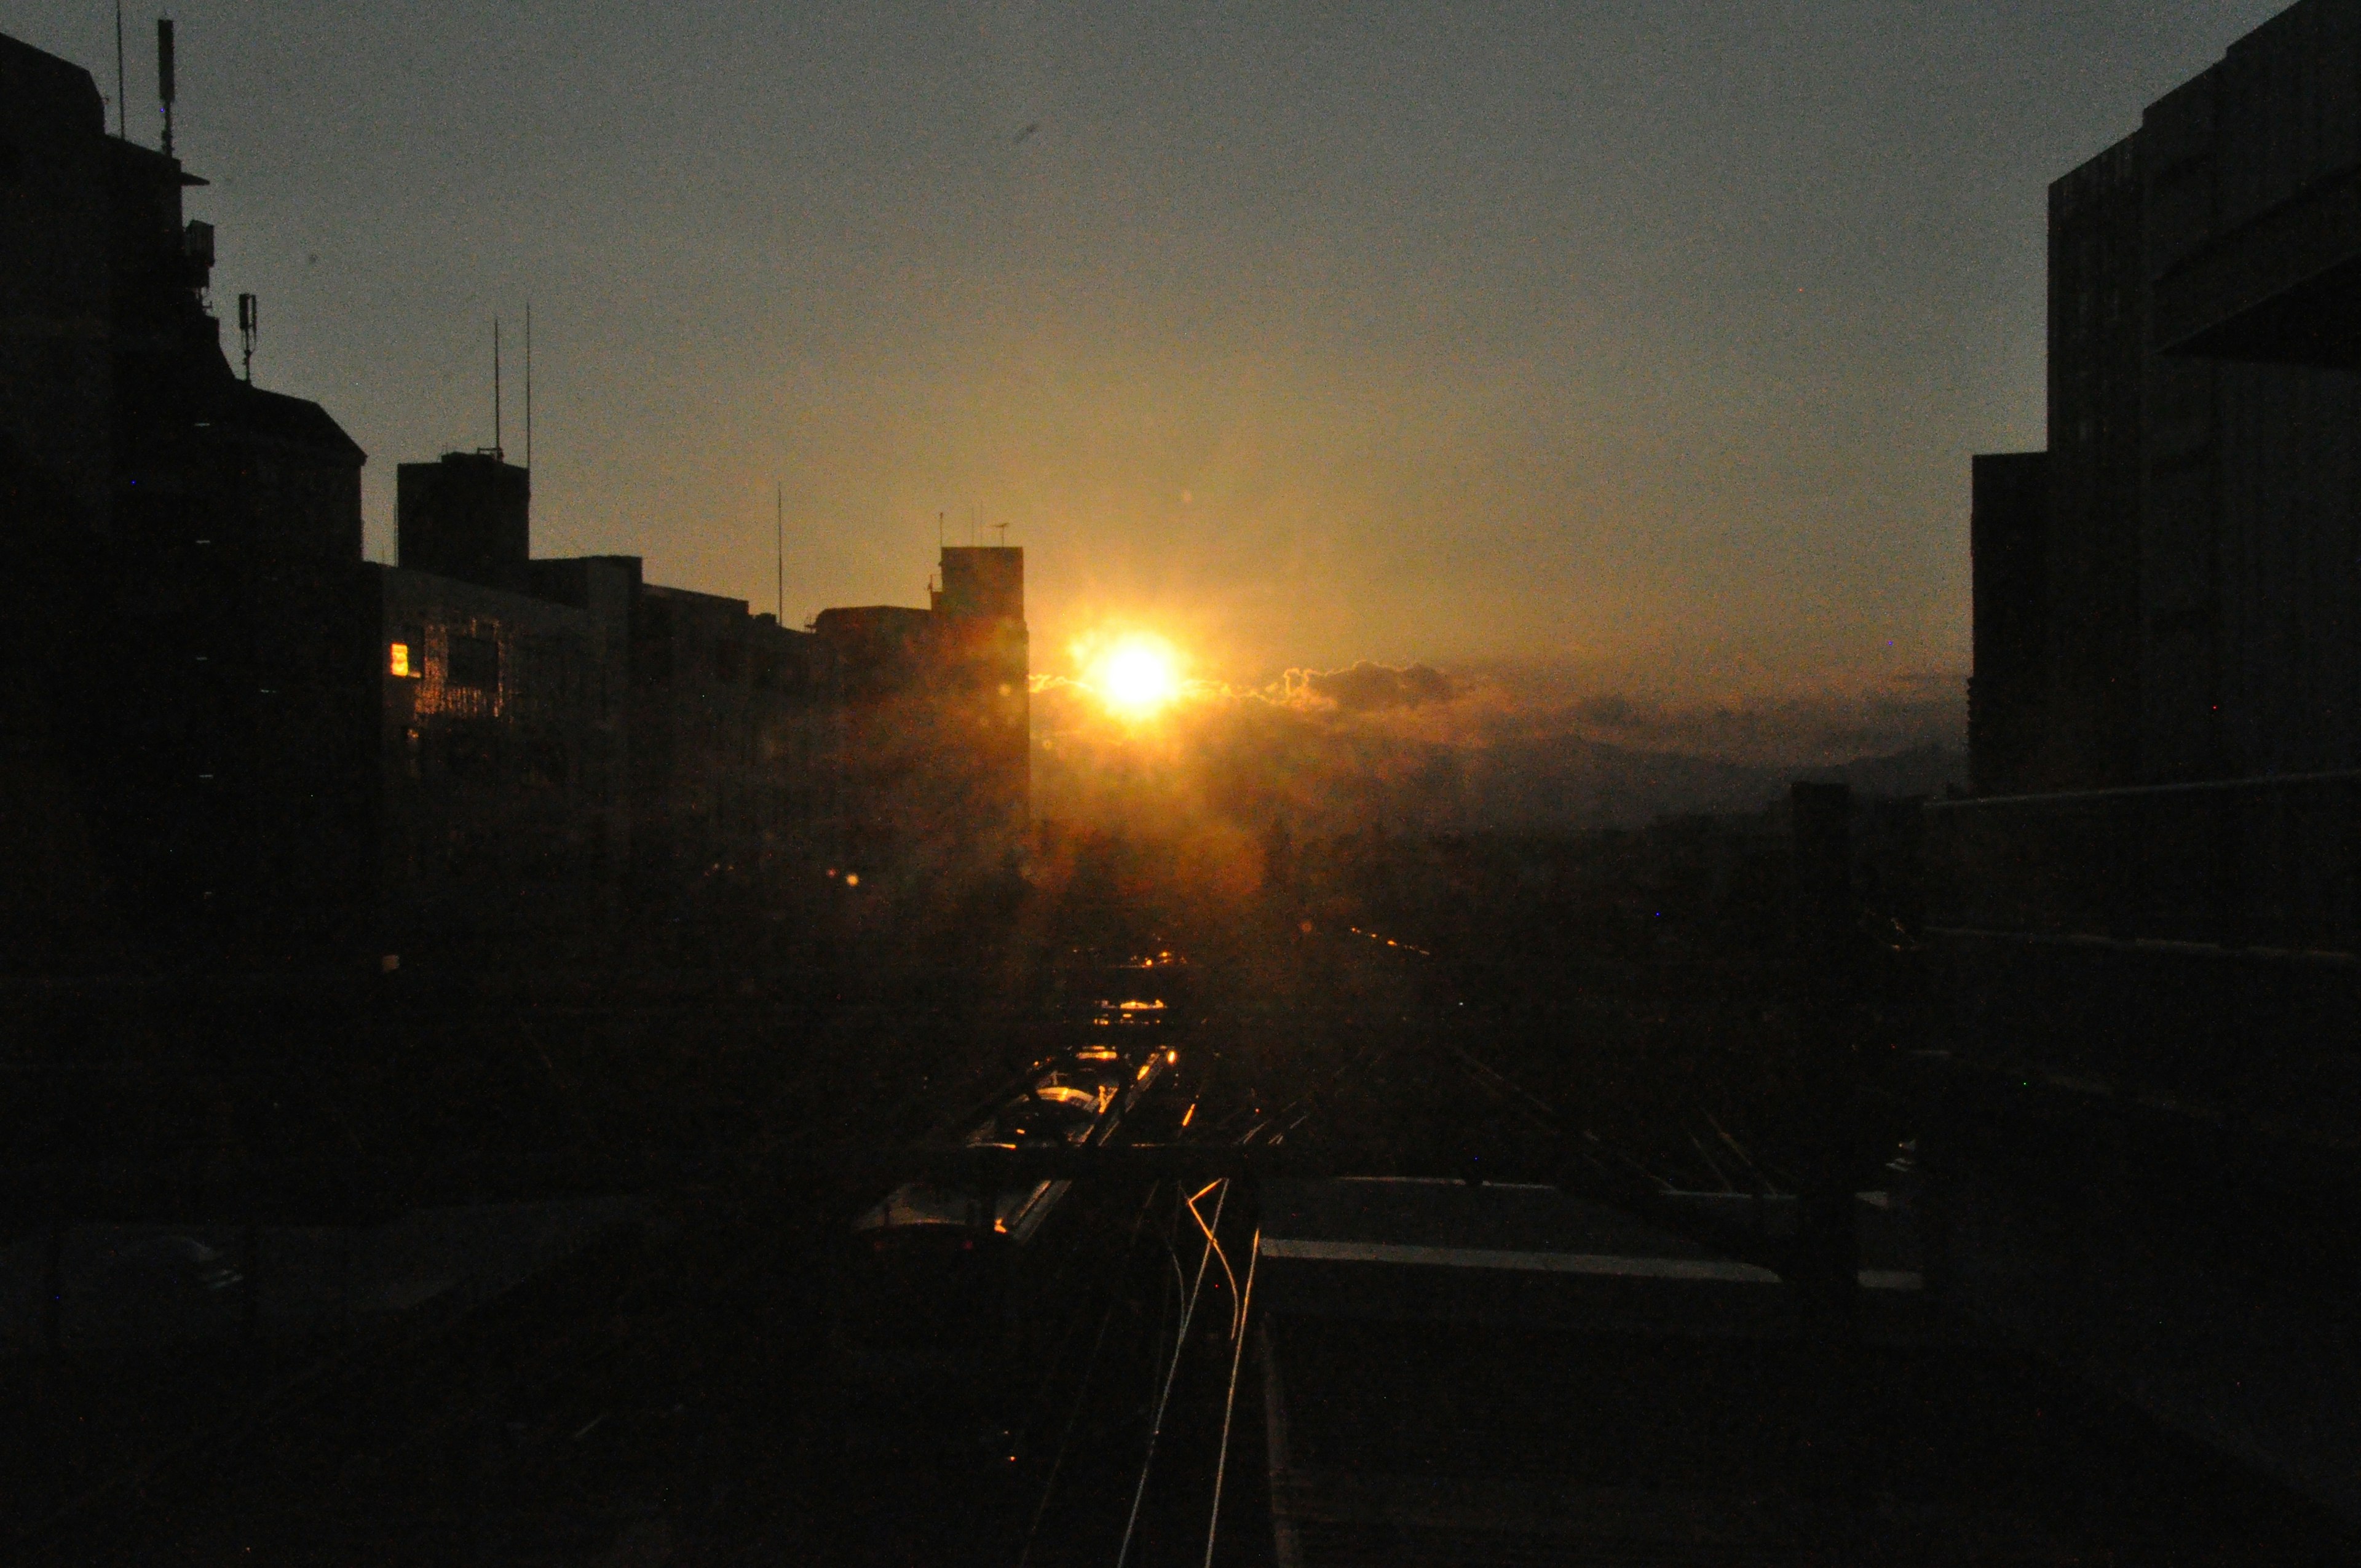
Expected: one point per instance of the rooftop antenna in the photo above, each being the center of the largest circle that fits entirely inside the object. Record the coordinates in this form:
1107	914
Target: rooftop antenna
779	542
1003	534
497	452
528	385
939	531
249	327
164	76
122	132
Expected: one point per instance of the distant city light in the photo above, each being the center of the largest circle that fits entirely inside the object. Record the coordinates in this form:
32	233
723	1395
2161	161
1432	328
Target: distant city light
401	663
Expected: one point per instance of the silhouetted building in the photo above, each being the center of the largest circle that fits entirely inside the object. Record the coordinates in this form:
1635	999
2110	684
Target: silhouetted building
230	729
2150	924
987	673
666	743
731	729
183	545
2202	511
503	805
935	755
469	516
2007	695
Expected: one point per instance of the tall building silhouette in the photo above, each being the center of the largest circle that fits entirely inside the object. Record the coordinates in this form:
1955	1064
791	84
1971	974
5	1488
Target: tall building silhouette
2148	918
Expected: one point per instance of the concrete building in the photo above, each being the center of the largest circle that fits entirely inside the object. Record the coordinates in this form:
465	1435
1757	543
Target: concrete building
183	547
734	739
503	805
934	752
668	743
2200	503
2150	917
469	516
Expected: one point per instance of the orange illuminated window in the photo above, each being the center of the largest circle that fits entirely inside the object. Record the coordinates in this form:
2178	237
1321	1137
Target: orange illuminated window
401	664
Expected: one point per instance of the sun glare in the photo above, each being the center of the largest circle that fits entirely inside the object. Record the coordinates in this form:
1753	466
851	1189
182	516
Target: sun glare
1137	678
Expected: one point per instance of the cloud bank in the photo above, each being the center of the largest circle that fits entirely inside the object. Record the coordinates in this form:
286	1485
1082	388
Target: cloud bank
1415	749
1366	687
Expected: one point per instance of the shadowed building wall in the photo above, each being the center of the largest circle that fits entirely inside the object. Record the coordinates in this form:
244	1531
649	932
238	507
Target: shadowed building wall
2202	564
502	793
730	734
2149	931
988	666
2009	537
183	542
468	515
934	745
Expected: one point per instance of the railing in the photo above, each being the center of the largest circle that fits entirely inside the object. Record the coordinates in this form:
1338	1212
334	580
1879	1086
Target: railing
2269	863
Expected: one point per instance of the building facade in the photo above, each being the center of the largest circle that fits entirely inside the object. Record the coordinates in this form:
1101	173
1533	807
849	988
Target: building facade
933	745
183	547
2149	917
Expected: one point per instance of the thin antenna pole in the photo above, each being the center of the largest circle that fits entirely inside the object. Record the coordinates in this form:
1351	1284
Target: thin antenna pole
497	453
249	327
165	88
779	542
122	130
528	384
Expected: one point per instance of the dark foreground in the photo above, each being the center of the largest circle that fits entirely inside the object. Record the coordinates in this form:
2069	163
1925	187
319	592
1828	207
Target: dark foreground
666	1387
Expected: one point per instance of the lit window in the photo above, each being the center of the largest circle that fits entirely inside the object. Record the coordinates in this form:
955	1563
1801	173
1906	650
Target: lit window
401	664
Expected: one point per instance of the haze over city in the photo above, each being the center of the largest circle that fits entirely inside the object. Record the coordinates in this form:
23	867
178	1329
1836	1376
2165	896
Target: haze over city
1598	354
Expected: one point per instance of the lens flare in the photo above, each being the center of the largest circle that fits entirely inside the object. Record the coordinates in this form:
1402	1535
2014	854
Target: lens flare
1137	678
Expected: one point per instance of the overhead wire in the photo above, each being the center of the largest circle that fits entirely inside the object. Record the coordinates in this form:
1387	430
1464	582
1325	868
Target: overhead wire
1230	1400
1215	1242
1156	1426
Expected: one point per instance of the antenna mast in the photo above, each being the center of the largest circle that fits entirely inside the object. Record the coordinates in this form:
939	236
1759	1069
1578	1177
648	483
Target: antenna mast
164	76
779	542
122	131
249	327
528	384
497	452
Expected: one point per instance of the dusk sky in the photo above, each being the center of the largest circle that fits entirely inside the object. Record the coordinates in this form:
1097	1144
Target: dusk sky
1636	346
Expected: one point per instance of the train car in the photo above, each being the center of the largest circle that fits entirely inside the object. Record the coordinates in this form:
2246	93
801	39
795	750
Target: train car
937	1283
1152	991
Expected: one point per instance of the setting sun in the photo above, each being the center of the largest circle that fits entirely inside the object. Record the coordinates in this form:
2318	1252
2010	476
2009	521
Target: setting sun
1137	678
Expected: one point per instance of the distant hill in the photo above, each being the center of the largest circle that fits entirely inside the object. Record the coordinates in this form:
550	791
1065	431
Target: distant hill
1919	770
1567	782
1248	763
